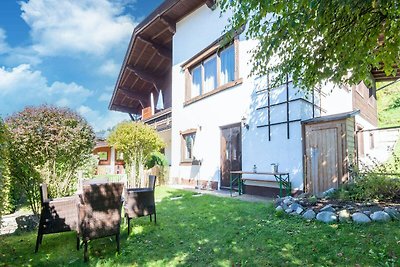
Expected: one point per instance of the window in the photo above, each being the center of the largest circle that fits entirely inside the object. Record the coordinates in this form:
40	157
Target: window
210	74
188	140
103	155
212	71
227	65
119	155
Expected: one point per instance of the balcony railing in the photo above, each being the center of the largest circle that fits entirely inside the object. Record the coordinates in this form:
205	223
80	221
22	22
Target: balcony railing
161	121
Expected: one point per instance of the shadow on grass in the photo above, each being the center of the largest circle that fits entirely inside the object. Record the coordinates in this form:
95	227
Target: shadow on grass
213	231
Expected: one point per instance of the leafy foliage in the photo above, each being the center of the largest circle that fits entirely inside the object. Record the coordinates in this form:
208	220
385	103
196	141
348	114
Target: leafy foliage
5	182
137	141
315	41
378	182
156	159
48	144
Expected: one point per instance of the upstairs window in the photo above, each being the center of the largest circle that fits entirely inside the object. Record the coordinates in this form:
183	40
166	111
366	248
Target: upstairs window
212	71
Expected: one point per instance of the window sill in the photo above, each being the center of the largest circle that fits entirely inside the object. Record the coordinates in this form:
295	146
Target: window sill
213	92
185	163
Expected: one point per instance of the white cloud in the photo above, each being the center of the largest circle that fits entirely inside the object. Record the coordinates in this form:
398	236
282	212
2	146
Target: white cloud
109	68
4	48
102	121
105	97
22	86
89	26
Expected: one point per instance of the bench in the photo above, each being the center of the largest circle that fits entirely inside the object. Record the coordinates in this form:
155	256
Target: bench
282	179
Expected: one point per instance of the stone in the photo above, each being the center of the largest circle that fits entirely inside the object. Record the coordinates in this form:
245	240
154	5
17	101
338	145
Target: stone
393	213
312	199
367	212
289	210
299	210
294	206
326	217
304	195
359	217
380	216
344	216
279	209
309	214
287	201
328	192
328	208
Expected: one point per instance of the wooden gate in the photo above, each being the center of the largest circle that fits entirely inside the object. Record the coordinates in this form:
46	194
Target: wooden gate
328	150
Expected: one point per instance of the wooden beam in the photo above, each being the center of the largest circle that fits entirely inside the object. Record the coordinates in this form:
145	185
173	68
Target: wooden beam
147	77
171	25
134	95
124	109
160	50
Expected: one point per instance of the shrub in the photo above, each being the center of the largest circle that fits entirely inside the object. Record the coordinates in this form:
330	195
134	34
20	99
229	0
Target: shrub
158	160
48	144
137	141
5	182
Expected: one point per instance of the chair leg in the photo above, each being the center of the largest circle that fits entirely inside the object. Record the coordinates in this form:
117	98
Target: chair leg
118	244
77	242
129	225
155	216
41	239
38	241
85	252
151	219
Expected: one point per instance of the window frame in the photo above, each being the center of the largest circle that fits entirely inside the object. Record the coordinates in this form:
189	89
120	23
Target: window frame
214	50
184	160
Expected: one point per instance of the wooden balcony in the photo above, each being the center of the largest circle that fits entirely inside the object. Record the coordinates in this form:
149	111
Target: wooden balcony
161	121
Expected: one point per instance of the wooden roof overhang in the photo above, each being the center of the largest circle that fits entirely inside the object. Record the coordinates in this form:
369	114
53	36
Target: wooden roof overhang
148	60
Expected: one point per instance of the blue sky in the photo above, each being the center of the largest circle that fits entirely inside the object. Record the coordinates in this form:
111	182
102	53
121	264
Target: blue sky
66	53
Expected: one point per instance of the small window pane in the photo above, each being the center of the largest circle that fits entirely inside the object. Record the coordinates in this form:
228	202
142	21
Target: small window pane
189	142
196	81
210	74
227	65
103	155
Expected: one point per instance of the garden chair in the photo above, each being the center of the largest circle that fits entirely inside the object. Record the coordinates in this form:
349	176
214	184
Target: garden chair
56	215
99	213
140	202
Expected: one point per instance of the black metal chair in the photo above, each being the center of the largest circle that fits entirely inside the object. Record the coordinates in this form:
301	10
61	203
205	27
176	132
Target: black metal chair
140	202
56	215
99	214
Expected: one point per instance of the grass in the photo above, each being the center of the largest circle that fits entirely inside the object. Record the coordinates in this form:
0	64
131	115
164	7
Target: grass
388	102
214	231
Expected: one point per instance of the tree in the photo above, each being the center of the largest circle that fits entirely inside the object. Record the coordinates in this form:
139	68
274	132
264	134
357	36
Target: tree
48	144
137	142
5	194
339	41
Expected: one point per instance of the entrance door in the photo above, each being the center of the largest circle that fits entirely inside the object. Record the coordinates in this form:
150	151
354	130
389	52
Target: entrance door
323	157
231	152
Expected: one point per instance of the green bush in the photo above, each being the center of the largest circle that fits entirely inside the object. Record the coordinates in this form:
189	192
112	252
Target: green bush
6	204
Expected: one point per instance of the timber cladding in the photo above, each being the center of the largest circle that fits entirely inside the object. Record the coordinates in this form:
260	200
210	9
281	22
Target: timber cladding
364	99
329	150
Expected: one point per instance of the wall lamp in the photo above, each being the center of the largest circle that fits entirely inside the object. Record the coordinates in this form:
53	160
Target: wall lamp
244	123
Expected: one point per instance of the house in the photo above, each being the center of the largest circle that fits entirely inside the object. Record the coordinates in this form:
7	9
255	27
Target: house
216	118
110	160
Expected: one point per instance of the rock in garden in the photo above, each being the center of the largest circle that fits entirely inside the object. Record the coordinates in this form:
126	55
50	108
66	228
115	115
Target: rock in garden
344	216
367	212
380	216
287	201
328	208
359	217
393	213
295	206
326	217
309	215
279	209
289	210
299	210
328	192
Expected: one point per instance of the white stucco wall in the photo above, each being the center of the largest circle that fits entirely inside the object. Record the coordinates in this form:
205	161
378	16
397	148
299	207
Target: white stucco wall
196	32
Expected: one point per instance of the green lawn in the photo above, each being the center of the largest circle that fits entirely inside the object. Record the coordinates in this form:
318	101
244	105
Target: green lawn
214	231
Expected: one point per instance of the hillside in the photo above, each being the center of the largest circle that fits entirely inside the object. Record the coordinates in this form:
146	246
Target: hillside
389	105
